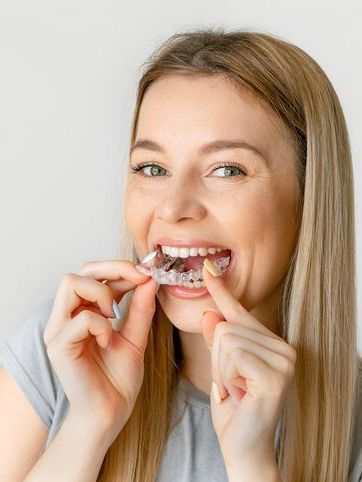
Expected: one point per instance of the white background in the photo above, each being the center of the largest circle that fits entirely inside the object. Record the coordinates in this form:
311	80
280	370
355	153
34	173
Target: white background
68	77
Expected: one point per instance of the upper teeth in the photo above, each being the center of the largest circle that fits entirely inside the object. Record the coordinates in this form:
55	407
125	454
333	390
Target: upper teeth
186	252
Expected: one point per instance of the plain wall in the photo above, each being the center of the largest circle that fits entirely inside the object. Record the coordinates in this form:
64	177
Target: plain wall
68	80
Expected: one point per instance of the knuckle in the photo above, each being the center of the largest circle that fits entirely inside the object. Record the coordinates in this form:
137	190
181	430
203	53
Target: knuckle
87	267
83	269
68	279
292	353
83	317
287	367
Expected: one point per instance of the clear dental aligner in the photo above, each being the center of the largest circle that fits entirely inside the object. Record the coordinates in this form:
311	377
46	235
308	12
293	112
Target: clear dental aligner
157	265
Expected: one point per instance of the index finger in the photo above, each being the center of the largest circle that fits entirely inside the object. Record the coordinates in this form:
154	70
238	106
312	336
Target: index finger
230	307
72	290
113	269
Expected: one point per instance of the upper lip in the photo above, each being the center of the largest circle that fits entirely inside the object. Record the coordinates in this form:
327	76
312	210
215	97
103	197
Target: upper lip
186	243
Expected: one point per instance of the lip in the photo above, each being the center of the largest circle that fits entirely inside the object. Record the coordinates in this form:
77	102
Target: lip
185	243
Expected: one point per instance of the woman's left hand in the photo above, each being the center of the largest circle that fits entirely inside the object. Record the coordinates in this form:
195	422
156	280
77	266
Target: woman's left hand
256	367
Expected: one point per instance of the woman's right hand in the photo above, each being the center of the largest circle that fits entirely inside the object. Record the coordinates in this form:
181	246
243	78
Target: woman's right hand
101	384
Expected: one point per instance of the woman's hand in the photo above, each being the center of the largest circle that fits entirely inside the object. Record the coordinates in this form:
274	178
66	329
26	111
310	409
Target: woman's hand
256	367
101	383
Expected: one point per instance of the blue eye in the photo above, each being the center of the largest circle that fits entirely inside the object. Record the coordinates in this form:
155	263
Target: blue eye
154	167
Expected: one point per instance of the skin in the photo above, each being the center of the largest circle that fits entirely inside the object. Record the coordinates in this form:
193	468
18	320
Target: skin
188	197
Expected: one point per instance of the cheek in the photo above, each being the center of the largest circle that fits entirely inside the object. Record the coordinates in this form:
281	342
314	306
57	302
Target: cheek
134	209
263	225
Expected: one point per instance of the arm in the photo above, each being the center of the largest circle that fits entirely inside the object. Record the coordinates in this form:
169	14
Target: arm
75	455
251	472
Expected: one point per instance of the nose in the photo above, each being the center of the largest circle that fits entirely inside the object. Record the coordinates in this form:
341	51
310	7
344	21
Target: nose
181	203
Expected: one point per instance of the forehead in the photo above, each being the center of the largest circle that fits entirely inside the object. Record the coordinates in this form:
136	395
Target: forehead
183	111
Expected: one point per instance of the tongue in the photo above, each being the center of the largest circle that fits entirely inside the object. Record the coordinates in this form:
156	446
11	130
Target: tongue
196	262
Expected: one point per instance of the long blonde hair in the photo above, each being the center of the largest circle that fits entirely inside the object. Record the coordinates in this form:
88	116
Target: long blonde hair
318	302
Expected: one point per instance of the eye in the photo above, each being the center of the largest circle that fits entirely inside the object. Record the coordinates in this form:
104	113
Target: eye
228	168
154	169
143	165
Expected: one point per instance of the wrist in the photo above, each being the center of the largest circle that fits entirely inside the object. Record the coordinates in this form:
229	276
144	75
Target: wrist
92	430
250	471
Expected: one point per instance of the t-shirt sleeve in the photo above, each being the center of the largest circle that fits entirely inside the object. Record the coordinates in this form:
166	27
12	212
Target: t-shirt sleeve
355	474
25	357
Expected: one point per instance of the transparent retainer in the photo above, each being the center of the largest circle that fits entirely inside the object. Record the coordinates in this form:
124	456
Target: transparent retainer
173	277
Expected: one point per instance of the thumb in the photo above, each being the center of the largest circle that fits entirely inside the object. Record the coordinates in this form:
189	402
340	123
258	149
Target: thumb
209	319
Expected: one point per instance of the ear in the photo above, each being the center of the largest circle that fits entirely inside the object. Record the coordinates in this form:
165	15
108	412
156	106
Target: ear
208	322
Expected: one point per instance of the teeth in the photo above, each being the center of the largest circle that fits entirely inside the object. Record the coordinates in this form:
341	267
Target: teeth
183	252
174	252
186	252
201	284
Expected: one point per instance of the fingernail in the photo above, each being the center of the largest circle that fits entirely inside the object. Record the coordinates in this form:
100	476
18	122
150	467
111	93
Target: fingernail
211	268
209	309
116	310
216	393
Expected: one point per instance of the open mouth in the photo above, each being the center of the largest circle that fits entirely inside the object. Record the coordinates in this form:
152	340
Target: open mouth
183	266
195	262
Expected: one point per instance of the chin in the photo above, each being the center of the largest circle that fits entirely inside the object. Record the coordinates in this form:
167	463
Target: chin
184	314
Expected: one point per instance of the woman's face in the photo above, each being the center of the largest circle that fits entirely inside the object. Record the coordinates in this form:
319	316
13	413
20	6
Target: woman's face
186	196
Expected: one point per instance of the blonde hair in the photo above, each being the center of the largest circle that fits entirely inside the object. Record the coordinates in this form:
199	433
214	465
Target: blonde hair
318	302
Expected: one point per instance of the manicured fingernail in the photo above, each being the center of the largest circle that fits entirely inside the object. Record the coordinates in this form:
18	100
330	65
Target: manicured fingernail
211	268
116	310
216	393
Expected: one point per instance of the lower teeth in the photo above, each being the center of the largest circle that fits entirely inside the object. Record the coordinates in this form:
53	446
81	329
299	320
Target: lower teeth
191	279
195	284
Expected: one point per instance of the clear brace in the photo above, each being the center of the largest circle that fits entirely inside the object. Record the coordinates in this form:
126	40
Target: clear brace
157	265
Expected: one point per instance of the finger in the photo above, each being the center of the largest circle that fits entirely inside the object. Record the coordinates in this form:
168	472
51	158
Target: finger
229	342
215	363
120	287
229	306
260	379
142	307
277	346
81	327
208	323
73	289
110	272
113	269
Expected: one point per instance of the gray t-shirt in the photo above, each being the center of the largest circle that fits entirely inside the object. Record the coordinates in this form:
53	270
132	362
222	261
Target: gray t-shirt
192	439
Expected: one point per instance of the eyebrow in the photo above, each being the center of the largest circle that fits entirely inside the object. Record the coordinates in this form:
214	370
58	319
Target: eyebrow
208	148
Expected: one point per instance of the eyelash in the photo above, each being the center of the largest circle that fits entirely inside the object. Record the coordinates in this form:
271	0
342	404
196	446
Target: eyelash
138	168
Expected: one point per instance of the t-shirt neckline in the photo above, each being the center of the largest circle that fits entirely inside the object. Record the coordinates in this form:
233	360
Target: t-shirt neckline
191	393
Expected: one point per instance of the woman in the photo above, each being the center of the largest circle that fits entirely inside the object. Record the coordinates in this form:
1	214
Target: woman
238	142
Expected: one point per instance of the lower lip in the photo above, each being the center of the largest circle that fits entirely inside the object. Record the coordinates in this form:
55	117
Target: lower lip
182	292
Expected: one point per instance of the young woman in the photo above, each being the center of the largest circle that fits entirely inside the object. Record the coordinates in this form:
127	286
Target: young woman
239	148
